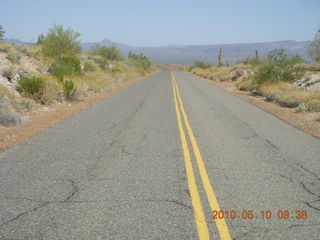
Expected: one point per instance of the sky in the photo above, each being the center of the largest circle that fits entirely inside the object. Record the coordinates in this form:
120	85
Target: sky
163	22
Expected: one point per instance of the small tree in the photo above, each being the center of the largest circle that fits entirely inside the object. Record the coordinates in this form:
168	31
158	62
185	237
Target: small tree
2	32
40	39
140	61
314	47
109	53
220	57
61	42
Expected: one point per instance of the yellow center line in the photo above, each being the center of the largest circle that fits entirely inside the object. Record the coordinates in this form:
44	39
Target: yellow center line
201	223
213	202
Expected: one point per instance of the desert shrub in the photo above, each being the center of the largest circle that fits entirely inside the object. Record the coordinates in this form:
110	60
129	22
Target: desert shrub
111	53
101	62
89	66
52	92
31	86
199	64
278	66
25	105
294	97
140	61
61	42
246	84
9	73
27	52
69	89
297	97
5	48
67	65
12	118
273	91
5	103
313	105
14	57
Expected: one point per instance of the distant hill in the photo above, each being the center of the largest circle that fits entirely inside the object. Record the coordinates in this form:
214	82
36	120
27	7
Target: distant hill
16	41
207	53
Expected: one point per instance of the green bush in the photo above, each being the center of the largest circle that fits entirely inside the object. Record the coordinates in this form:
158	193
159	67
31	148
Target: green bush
199	64
140	61
61	42
69	89
31	86
278	66
67	65
89	66
14	57
111	53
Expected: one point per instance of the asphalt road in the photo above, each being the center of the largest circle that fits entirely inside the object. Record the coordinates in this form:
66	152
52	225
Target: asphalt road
154	161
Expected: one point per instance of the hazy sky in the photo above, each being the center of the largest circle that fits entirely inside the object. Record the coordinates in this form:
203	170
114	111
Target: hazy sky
162	22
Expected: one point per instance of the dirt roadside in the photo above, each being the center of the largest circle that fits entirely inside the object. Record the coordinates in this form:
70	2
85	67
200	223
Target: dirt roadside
50	116
308	122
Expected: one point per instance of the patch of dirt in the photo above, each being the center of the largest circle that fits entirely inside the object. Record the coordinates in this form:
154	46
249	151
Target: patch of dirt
308	122
46	117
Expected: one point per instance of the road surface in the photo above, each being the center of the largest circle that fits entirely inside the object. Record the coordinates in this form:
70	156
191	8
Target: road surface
160	160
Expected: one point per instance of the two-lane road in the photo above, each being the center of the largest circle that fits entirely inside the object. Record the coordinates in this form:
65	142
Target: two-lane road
157	161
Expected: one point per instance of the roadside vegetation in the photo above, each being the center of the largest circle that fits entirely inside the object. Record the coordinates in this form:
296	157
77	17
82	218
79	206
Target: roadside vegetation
286	80
55	69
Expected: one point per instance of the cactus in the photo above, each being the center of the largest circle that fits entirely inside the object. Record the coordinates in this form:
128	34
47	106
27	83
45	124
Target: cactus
220	57
257	56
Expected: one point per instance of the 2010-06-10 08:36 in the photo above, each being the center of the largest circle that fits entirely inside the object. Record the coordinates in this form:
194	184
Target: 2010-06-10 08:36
264	214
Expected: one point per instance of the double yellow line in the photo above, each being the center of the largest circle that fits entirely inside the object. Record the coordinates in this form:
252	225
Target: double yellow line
200	219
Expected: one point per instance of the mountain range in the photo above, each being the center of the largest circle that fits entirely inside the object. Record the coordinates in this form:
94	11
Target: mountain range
187	54
207	53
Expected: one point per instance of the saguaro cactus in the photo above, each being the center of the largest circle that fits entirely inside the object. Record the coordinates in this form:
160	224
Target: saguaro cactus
220	57
257	56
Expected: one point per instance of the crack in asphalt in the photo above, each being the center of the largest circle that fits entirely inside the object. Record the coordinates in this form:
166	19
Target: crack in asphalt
74	190
22	214
271	144
304	186
309	171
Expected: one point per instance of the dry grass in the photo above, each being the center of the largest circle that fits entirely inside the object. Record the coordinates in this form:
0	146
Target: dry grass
273	91
245	84
224	73
53	90
283	94
9	101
